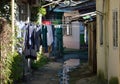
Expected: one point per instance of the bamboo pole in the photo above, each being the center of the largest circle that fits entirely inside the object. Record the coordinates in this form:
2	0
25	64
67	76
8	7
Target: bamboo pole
13	29
54	2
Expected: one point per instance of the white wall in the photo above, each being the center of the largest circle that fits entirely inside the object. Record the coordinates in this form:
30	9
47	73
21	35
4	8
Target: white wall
73	41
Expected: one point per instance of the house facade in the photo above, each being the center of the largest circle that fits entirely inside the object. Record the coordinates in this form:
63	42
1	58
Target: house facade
71	31
108	34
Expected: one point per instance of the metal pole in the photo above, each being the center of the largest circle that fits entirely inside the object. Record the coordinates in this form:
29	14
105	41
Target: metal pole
28	8
54	2
13	29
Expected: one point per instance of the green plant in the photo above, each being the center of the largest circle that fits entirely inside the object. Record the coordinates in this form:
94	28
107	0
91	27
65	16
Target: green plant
113	80
42	11
13	68
35	12
41	61
5	9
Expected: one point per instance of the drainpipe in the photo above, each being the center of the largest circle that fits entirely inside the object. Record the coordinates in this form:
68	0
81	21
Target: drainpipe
13	29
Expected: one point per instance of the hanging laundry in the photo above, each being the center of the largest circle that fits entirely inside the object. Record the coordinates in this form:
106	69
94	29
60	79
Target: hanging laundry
19	25
44	38
23	32
38	36
30	44
49	35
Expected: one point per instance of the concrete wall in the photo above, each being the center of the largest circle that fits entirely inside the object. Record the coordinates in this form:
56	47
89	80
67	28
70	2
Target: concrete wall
108	56
73	41
113	60
100	48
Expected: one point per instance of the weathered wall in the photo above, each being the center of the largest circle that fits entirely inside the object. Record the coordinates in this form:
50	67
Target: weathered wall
73	41
100	48
107	55
113	59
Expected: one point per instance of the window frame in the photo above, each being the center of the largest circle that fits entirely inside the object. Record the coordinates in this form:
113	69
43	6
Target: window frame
101	29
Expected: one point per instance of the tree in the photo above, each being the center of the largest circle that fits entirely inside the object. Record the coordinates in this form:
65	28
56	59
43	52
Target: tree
5	9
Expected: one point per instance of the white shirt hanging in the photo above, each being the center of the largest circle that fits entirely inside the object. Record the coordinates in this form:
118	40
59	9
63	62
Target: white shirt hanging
49	35
31	29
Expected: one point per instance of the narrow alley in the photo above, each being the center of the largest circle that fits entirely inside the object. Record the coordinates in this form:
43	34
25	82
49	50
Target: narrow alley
51	73
59	42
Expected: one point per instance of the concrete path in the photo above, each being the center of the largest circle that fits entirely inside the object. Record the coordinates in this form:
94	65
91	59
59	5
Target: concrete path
47	74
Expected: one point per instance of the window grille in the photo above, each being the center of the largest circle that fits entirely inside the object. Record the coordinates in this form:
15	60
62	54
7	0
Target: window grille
115	28
67	26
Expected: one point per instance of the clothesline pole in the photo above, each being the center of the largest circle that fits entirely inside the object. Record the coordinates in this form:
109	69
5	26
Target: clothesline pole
54	2
13	29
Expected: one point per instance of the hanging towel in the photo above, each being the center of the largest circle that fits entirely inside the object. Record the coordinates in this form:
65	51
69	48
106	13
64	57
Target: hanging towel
49	35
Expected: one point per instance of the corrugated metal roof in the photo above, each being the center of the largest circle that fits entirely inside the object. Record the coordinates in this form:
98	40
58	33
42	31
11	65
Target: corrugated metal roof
83	6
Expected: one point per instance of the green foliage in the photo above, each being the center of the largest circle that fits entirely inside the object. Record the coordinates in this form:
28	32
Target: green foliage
35	11
5	9
13	68
34	14
41	60
113	80
42	11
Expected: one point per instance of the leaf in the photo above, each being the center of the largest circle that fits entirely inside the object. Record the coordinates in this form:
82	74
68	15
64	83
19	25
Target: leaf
42	11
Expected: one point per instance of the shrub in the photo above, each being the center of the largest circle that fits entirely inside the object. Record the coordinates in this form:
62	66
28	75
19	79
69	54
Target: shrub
41	60
10	62
12	70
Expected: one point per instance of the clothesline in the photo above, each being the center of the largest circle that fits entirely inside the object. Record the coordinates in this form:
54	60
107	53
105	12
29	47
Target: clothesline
34	36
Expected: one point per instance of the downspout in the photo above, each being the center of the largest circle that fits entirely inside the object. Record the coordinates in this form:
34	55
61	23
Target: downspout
13	28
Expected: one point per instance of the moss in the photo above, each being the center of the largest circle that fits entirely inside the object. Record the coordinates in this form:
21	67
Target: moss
101	78
113	80
101	75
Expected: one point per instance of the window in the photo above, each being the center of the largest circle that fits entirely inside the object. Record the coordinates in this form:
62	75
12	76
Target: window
115	28
67	26
101	29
